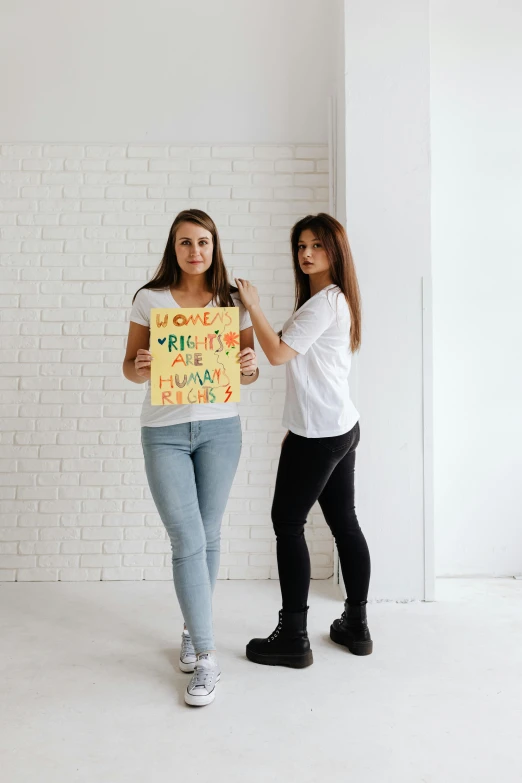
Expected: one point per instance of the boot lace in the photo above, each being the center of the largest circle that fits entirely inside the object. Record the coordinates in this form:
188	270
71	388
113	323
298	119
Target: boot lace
277	631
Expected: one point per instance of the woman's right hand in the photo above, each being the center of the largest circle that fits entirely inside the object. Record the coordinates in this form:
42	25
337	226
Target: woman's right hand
248	293
142	363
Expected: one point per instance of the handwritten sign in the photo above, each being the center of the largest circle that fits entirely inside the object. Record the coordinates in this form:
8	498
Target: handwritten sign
195	355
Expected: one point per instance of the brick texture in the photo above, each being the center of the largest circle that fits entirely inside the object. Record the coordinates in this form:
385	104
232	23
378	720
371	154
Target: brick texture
81	228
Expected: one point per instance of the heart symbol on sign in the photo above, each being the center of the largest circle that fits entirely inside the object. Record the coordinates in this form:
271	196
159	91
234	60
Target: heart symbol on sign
161	341
216	331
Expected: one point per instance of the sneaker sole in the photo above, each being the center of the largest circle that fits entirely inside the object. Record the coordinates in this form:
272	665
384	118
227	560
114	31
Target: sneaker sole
292	661
356	648
187	668
201	701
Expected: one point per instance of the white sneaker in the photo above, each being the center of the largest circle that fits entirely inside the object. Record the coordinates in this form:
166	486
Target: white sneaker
201	689
187	654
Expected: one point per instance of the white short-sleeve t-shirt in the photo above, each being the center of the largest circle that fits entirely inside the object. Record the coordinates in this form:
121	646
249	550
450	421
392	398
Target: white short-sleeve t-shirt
165	415
318	403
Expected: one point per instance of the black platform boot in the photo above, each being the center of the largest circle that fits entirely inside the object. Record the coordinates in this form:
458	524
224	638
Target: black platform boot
288	645
352	630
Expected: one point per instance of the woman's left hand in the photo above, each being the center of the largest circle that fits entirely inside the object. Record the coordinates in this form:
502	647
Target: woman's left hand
248	293
248	361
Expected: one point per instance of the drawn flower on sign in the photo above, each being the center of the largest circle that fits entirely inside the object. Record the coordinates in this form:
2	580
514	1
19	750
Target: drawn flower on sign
231	339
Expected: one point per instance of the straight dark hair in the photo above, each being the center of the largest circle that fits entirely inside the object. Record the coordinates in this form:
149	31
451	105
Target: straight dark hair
168	273
333	237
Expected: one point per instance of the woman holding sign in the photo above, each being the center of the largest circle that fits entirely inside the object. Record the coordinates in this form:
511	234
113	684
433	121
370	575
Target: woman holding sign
318	453
191	450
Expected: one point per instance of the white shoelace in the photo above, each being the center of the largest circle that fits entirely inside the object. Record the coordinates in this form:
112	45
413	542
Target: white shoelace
187	648
205	673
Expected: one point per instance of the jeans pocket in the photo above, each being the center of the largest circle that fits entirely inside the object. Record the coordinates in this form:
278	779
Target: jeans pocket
346	442
334	449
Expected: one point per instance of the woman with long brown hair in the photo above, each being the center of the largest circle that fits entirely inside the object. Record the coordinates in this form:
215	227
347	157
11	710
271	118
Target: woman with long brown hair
317	460
191	451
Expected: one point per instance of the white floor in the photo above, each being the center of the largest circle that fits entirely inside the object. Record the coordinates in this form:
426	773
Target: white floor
92	693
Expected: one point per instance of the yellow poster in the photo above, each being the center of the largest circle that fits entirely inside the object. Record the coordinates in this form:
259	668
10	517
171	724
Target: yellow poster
195	355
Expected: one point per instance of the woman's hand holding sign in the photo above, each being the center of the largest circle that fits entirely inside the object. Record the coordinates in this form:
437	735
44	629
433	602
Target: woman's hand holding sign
142	363
247	361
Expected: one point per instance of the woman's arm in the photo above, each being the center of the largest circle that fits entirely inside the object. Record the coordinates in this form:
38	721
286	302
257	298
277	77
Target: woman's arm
247	357
136	365
275	350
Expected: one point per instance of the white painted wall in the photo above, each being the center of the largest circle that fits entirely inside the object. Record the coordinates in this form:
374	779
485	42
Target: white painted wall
217	71
388	220
477	253
254	72
220	105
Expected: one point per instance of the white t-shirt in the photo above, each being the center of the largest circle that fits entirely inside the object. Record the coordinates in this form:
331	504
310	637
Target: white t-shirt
318	403
165	415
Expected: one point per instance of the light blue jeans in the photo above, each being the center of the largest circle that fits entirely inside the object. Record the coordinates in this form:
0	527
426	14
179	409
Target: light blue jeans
190	468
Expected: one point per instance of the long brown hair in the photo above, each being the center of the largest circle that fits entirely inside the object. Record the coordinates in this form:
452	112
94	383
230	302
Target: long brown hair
333	237
168	273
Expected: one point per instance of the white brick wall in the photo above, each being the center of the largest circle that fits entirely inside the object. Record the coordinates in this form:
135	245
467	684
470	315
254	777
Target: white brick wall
81	228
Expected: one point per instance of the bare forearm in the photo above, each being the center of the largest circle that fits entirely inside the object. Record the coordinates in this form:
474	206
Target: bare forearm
275	349
130	373
269	340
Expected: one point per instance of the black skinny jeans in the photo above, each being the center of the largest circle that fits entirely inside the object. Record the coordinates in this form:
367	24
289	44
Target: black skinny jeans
320	469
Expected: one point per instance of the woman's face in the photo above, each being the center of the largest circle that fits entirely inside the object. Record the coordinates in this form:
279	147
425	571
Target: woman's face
193	246
311	254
